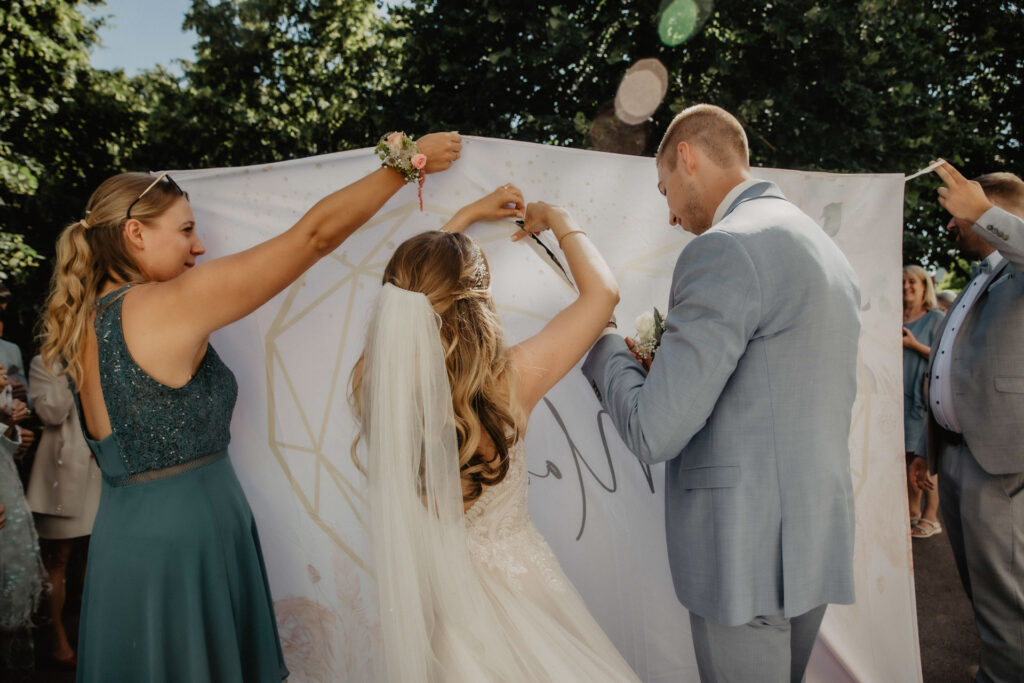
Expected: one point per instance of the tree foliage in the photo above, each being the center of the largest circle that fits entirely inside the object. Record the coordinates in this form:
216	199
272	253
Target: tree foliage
271	80
840	85
64	126
850	86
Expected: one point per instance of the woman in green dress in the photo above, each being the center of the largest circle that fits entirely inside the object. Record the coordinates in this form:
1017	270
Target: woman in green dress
176	588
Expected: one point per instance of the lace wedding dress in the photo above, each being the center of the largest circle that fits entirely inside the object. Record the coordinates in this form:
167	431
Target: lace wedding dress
542	616
465	596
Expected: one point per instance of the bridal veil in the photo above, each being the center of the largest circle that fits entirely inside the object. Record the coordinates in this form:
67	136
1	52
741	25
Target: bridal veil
436	621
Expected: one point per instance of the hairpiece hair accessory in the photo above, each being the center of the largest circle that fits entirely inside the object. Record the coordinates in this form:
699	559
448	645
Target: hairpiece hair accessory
480	276
400	152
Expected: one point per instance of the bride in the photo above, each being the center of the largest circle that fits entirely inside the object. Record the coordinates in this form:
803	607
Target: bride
468	588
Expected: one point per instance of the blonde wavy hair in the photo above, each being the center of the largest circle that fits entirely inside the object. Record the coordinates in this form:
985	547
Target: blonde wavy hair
452	271
90	252
921	275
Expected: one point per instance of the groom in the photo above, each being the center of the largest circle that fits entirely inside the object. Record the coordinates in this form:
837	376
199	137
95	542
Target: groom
748	401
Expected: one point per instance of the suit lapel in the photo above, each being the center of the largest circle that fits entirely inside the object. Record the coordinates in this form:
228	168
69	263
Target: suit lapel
996	274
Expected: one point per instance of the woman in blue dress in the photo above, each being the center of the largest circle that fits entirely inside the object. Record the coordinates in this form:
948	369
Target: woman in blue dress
921	321
176	588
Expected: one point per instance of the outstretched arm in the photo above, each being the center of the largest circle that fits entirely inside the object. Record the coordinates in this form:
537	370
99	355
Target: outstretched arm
545	358
214	294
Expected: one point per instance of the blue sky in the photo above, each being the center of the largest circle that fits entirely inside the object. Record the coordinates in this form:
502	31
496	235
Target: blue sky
143	33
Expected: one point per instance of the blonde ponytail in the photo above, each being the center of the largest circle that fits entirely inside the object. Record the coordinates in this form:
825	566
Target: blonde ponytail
73	290
90	252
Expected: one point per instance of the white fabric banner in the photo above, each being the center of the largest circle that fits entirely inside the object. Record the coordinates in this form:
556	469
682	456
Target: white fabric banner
598	507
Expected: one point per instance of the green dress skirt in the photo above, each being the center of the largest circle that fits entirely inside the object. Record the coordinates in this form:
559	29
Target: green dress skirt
176	588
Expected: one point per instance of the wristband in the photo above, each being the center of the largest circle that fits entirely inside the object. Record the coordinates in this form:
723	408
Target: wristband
571	232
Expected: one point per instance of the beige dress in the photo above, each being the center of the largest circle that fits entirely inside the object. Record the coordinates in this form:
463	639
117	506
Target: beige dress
64	487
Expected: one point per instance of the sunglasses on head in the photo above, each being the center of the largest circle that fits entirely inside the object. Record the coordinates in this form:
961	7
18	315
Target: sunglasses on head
162	176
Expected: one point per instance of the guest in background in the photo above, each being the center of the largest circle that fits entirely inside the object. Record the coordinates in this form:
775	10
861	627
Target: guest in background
21	572
10	353
63	492
11	358
975	425
921	322
945	299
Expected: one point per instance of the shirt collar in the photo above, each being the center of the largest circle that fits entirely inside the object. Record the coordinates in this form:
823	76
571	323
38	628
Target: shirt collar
987	264
731	197
995	259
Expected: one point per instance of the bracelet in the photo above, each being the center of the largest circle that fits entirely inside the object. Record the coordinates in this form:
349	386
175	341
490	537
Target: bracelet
400	152
571	232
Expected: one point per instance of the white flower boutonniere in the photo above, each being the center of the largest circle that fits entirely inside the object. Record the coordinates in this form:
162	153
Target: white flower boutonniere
650	325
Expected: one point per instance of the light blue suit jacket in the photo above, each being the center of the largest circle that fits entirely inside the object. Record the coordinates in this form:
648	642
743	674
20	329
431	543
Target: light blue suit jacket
749	401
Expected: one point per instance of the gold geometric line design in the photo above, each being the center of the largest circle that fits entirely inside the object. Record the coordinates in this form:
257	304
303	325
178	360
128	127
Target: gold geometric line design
285	326
295	396
348	499
316	484
329	403
286	317
347	491
293	447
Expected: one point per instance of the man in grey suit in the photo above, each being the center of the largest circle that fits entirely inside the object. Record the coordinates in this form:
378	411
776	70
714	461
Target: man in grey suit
749	402
975	434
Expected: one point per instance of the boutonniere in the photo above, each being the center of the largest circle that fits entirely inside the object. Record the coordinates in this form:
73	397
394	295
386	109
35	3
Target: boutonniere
650	325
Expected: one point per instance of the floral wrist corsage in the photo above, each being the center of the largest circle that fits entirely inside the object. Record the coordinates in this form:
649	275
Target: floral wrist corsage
400	152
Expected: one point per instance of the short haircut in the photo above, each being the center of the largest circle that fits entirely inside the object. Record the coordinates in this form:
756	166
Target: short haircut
715	130
1008	188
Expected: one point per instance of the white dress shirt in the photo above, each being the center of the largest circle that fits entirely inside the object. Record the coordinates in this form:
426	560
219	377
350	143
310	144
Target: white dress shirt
940	394
731	197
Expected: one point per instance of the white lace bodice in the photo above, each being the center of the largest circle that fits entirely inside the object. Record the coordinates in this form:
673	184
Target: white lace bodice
500	533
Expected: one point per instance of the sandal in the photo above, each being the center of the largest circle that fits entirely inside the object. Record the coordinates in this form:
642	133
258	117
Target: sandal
914	519
919	530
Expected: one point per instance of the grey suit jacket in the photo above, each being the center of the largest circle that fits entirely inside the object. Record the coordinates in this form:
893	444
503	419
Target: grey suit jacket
988	358
749	401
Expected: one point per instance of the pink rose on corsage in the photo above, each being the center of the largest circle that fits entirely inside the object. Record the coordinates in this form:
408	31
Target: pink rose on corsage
419	161
395	142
